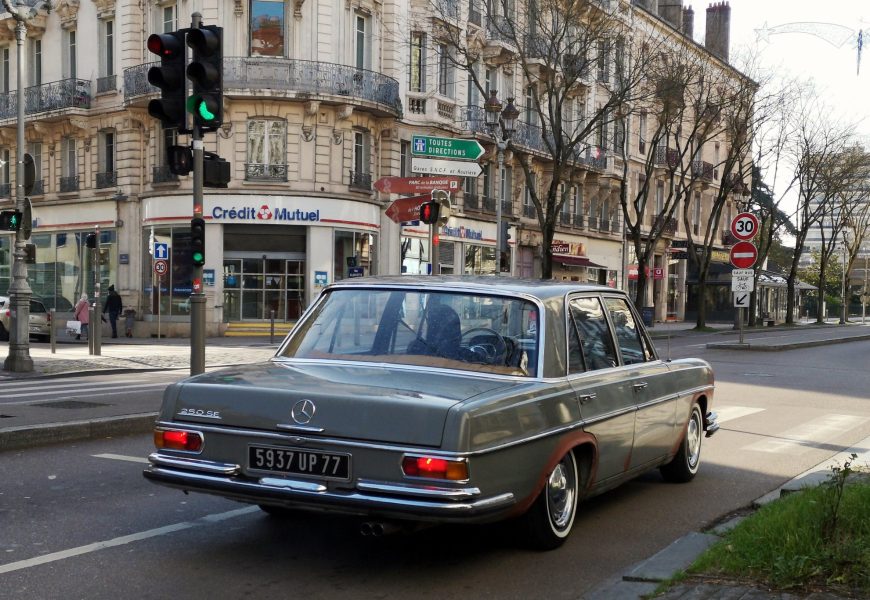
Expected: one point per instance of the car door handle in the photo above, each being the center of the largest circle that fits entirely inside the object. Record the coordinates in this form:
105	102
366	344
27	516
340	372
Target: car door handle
640	386
584	398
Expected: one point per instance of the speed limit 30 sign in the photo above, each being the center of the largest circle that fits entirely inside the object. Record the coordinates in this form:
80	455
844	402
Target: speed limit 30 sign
161	267
744	226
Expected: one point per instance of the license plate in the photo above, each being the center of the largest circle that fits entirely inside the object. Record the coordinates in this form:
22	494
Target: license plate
296	461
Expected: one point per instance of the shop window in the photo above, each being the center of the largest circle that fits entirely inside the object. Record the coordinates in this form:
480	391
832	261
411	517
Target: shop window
355	254
267	28
479	260
267	150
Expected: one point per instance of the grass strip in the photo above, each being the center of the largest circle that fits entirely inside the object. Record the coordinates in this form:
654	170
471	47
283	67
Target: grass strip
817	537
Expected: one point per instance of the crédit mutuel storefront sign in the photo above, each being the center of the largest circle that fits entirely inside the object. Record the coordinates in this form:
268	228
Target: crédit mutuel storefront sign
268	210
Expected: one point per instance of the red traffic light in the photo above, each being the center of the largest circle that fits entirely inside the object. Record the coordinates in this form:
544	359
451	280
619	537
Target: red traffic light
429	212
164	44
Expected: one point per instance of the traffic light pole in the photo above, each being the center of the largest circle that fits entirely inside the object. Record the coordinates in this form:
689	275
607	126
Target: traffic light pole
19	360
197	298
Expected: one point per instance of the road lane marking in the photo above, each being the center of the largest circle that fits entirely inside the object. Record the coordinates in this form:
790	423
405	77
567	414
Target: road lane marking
812	434
136	459
124	539
108	391
729	413
64	385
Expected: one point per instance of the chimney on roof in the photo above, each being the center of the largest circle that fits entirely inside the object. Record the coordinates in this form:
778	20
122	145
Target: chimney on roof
688	22
718	35
671	11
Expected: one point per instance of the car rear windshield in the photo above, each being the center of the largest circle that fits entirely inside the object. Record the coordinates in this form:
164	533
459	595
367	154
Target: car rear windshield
473	332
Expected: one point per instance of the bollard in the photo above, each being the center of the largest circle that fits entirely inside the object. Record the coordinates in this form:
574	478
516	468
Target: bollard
52	330
272	326
98	330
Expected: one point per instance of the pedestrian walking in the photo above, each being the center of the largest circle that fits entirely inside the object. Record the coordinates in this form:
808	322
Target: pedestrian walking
82	316
113	307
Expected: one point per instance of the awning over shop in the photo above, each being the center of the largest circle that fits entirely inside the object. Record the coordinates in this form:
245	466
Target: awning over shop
576	261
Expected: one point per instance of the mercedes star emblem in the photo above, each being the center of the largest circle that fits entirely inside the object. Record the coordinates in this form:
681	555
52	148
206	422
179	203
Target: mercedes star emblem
303	411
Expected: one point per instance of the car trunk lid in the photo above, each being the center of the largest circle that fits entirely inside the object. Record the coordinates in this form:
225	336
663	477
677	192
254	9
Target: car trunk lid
366	402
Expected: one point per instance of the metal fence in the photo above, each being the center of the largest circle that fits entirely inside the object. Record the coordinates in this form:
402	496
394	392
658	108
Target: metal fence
58	95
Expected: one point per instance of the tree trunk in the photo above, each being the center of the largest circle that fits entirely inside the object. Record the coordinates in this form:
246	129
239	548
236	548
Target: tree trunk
820	309
701	320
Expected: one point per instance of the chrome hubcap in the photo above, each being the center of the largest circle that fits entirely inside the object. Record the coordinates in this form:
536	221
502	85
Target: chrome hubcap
561	494
693	440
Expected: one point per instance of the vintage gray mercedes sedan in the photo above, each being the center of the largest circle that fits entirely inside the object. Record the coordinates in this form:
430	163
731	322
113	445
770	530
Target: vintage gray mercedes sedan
442	399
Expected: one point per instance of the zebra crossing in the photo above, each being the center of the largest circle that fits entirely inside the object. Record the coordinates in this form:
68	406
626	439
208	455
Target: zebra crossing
816	431
35	392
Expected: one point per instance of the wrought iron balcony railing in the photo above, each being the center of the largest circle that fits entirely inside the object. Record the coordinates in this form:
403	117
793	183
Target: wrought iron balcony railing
489	203
500	29
288	75
265	172
471	201
107	179
529	211
565	218
107	84
579	221
668	225
604	224
69	184
667	157
448	9
361	181
702	170
5	190
162	174
474	16
58	95
507	208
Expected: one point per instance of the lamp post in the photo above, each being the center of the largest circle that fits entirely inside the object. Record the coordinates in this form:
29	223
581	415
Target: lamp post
18	360
844	307
501	125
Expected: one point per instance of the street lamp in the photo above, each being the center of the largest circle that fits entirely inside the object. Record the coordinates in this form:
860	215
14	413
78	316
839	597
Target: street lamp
501	125
18	359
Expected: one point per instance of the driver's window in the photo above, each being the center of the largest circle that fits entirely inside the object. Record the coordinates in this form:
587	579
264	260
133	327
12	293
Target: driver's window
595	341
627	334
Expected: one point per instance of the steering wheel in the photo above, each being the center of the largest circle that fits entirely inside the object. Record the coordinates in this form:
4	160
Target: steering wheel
493	353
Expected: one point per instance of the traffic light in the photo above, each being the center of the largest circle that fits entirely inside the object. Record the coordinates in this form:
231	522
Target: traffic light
429	212
91	240
169	77
206	72
30	254
197	241
505	236
442	197
10	220
215	171
180	159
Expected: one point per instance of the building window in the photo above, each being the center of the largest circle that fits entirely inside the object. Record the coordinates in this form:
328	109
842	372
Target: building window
491	80
641	133
506	188
4	66
601	133
531	111
35	150
619	135
35	62
267	28
69	55
4	168
527	198
106	176
107	48
660	197
69	162
603	60
355	254
169	18
473	93
418	62
361	152
267	150
363	42
487	180
445	71
405	159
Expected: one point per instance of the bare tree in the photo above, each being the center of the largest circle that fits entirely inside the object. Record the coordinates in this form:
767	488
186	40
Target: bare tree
581	63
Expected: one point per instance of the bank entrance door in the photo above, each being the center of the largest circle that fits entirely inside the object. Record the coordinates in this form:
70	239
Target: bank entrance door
253	287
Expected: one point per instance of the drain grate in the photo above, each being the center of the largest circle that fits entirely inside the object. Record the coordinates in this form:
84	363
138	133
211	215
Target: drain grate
73	404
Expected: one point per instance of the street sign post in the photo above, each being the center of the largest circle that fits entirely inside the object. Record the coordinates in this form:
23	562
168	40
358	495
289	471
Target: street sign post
743	255
440	147
161	251
744	226
161	267
741	300
435	166
416	185
406	209
742	280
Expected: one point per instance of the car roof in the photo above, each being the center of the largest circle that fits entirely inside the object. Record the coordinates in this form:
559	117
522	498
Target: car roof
539	288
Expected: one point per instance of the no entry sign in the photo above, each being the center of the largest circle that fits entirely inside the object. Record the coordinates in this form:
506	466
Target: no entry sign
743	255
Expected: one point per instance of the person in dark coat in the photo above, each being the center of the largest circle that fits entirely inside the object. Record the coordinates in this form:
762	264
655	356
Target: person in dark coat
113	307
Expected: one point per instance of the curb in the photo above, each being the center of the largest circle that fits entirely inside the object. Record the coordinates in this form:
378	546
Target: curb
780	347
16	438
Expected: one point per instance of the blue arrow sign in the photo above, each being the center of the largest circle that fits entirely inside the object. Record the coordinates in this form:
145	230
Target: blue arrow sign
161	251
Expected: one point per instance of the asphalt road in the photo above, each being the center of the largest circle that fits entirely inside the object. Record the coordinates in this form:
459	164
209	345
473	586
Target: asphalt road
79	521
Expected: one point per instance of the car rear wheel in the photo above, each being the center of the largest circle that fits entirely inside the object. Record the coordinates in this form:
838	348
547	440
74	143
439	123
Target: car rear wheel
549	520
684	466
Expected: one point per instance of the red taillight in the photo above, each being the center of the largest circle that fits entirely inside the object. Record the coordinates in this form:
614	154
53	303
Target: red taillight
173	439
49	317
435	468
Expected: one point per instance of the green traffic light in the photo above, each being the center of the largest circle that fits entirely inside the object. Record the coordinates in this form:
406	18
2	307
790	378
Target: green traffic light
204	112
198	257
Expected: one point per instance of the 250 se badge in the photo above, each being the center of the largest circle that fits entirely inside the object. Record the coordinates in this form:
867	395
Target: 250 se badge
443	399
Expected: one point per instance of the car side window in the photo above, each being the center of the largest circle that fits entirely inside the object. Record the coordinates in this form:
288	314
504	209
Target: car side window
627	333
596	343
575	350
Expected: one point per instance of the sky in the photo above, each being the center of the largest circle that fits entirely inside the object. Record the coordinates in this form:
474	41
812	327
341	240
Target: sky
789	49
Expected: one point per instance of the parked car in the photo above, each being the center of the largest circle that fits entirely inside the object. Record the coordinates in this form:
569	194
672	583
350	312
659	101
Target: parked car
405	399
40	319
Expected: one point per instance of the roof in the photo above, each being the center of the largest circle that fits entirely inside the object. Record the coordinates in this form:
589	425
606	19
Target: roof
541	288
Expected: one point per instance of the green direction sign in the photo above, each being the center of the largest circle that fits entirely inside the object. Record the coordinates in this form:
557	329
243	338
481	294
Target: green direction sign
452	148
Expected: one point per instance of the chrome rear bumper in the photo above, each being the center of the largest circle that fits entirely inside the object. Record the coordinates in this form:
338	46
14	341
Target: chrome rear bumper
366	497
